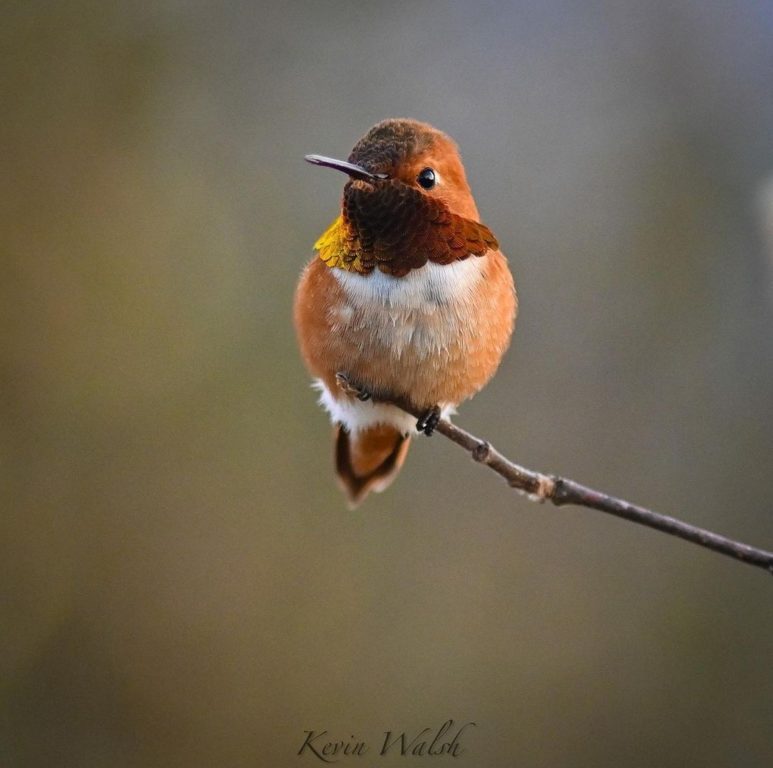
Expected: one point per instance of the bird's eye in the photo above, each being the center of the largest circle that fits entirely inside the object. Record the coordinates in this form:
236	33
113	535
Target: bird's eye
427	178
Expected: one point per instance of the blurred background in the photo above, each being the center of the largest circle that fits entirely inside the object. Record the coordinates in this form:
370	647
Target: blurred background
183	584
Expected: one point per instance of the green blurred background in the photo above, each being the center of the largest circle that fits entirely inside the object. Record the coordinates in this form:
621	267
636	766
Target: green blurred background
183	585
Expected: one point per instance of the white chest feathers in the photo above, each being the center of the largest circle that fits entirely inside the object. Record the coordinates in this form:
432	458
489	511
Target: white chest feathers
427	309
432	284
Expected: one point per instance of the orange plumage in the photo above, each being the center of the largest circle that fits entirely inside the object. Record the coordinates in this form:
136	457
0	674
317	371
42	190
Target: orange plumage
410	297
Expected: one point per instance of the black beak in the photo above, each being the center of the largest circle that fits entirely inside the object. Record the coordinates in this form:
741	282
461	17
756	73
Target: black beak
355	171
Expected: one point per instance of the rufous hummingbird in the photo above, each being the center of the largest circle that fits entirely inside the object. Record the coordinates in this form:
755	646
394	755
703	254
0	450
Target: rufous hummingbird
409	299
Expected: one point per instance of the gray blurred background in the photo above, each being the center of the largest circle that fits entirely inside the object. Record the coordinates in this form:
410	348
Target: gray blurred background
183	583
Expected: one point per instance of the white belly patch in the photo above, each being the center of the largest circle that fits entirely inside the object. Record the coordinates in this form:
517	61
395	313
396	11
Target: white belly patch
356	415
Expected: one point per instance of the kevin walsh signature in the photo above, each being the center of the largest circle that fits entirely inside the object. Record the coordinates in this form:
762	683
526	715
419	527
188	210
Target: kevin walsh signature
428	742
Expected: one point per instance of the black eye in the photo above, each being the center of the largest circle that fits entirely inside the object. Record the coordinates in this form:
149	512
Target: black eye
426	178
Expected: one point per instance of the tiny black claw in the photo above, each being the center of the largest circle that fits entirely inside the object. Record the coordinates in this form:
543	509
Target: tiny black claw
429	420
350	388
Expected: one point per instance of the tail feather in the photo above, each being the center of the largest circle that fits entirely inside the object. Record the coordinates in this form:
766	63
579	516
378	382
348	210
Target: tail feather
369	459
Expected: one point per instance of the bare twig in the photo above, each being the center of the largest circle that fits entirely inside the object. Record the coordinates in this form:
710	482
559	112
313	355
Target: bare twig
560	491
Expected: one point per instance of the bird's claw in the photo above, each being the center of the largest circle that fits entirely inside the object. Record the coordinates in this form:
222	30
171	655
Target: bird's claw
429	420
345	384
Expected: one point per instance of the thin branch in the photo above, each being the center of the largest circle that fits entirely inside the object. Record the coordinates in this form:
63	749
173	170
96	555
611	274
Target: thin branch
560	491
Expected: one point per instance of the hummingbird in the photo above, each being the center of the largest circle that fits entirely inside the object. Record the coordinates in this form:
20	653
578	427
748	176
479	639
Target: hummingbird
408	299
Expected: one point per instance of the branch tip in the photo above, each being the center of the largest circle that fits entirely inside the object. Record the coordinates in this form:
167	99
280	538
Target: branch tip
560	491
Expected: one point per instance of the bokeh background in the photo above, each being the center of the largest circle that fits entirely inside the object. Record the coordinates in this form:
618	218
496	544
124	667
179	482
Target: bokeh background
183	584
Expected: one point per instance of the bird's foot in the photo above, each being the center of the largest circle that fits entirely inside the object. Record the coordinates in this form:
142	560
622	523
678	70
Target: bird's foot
348	386
426	423
429	420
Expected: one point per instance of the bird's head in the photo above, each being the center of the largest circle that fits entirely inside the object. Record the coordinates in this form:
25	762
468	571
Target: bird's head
407	201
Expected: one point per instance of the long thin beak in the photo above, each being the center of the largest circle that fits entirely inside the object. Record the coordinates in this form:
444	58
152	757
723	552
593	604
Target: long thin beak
355	171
